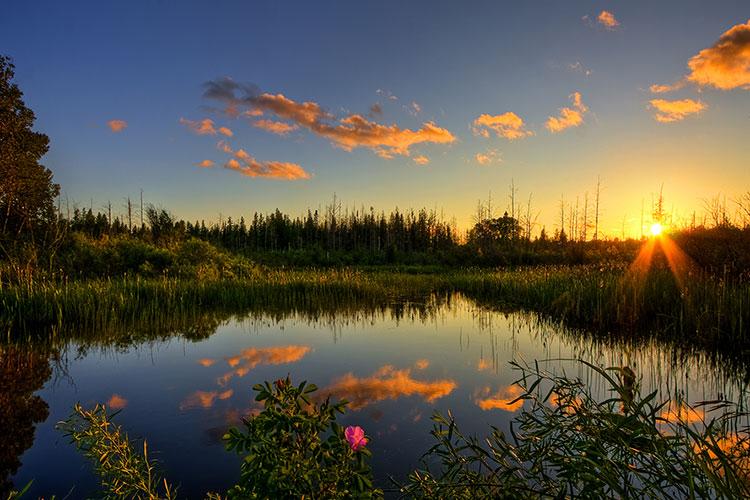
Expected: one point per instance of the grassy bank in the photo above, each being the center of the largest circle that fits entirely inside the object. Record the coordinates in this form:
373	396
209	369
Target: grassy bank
705	311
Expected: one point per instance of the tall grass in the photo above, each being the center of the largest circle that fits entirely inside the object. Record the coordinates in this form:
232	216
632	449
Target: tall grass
705	311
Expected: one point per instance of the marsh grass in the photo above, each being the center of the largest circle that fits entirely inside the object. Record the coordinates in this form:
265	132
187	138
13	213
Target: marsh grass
567	444
705	311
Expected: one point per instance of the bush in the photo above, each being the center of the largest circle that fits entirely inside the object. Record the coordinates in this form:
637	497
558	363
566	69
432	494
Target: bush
295	449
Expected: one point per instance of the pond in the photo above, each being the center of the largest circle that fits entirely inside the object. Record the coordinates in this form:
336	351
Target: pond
396	364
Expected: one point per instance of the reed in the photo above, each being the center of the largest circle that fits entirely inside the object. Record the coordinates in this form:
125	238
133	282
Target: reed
704	311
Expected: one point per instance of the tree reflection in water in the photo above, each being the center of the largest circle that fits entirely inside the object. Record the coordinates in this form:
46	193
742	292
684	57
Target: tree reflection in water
23	371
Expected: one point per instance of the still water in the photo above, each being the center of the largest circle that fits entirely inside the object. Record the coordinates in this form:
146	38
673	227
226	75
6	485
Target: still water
396	364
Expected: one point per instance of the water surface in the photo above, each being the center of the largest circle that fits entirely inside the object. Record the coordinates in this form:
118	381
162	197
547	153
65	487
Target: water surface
396	364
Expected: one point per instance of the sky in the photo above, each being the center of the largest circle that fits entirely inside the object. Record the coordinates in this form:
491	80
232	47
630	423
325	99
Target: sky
218	109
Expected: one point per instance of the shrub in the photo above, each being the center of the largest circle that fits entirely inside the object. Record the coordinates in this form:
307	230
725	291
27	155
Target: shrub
295	449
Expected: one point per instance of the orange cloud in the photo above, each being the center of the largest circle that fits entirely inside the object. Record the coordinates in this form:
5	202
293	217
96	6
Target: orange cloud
726	64
488	157
673	111
280	128
508	125
204	399
386	383
504	399
421	160
607	19
251	357
569	117
661	89
117	402
203	127
206	164
206	362
245	164
350	132
226	131
268	169
117	125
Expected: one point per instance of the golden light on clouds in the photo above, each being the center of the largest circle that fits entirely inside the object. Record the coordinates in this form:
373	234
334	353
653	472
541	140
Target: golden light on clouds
607	19
206	164
507	125
204	399
568	117
488	157
673	111
421	160
386	383
279	128
661	89
350	132
505	398
202	127
247	165
117	125
726	64
251	357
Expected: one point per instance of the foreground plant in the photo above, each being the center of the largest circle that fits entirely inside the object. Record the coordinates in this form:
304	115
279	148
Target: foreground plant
566	444
123	471
295	449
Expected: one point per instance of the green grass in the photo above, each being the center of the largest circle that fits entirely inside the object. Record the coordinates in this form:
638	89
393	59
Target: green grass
706	312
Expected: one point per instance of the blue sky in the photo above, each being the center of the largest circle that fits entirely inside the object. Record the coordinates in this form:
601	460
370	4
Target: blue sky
84	64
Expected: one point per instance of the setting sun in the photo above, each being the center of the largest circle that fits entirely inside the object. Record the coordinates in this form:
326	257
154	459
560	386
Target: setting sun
656	229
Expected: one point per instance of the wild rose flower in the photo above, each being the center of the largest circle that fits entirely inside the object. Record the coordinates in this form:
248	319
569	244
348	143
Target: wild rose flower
355	436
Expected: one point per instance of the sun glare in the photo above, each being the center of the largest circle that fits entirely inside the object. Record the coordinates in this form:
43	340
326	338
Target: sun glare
656	229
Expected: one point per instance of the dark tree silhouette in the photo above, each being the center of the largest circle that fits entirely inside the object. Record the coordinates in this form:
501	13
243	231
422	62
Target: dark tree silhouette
27	192
22	372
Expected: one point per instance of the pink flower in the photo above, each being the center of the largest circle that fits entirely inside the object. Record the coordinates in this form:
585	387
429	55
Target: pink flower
356	437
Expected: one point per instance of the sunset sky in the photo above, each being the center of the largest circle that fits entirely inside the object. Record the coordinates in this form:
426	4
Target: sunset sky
234	107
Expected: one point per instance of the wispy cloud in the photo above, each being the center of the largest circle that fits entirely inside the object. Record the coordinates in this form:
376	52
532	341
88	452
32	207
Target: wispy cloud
662	89
204	399
578	67
268	169
568	117
206	164
376	110
279	128
117	125
387	383
252	357
247	165
202	127
726	64
225	131
413	109
505	398
386	94
349	132
508	125
421	160
673	111
488	157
